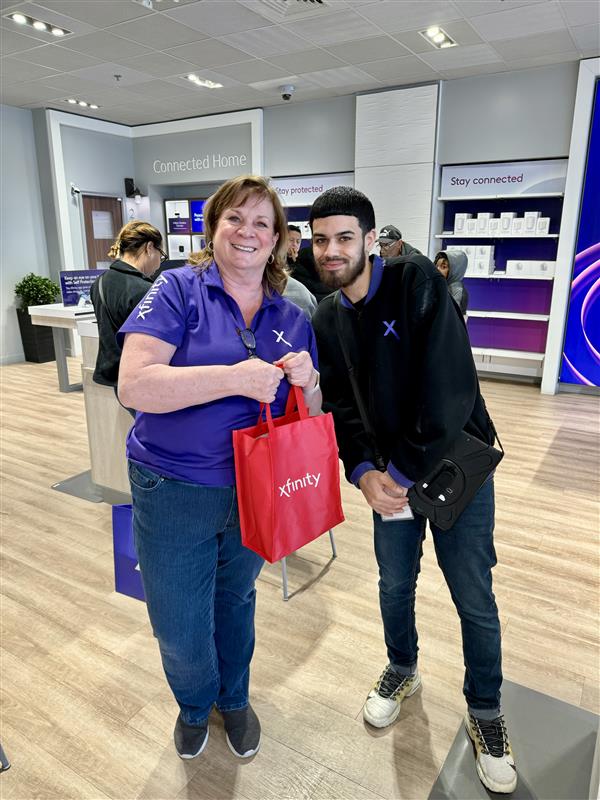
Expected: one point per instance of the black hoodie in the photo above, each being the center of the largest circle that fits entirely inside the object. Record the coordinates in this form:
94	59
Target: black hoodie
410	347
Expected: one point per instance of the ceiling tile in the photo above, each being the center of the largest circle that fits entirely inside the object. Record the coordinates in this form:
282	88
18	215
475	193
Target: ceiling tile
401	70
265	42
474	8
281	11
342	76
158	64
460	30
542	61
306	61
11	42
457	57
23	93
59	58
106	73
375	48
101	13
105	45
16	71
157	31
587	38
69	83
408	15
209	53
215	19
251	71
473	72
272	86
520	21
342	26
581	12
543	44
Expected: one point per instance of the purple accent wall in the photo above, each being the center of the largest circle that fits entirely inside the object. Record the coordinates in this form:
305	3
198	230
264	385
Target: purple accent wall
508	334
523	296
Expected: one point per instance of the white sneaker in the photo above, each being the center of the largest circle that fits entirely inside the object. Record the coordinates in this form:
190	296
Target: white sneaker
494	759
385	698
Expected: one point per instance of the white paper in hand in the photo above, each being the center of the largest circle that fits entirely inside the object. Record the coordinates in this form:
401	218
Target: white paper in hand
406	513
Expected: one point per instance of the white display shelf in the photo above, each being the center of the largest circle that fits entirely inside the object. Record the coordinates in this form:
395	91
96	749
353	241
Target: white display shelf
503	196
500	275
508	315
497	353
494	236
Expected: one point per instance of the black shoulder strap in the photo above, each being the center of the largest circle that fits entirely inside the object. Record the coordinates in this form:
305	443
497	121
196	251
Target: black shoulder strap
103	302
339	316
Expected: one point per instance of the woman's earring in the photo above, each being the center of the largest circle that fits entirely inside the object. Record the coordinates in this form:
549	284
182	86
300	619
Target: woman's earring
209	246
271	259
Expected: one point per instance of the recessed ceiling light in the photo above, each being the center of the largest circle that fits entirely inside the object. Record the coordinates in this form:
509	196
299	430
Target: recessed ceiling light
93	105
205	83
19	19
37	24
437	37
40	26
58	32
193	78
82	103
71	100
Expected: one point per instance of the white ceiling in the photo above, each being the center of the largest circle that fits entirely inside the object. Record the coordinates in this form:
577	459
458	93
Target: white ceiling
252	47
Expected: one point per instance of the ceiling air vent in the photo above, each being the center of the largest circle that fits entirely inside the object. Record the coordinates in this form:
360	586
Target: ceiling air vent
282	10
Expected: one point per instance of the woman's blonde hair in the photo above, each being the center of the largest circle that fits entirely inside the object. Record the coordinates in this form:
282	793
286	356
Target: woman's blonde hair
133	236
235	192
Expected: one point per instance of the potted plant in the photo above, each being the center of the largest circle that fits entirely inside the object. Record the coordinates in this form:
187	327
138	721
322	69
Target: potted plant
34	290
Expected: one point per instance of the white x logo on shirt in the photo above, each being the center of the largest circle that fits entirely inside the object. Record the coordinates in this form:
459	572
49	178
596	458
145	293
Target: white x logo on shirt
280	338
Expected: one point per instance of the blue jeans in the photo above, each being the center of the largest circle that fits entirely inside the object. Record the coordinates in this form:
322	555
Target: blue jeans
466	556
199	584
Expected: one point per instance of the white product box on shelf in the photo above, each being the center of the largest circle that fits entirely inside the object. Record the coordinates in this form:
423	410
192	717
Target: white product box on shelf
460	222
530	219
480	266
471	227
533	268
543	226
517	227
495	226
483	252
178	246
506	218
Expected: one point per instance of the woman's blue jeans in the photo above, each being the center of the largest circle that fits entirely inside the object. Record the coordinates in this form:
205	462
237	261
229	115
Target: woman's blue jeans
199	584
466	556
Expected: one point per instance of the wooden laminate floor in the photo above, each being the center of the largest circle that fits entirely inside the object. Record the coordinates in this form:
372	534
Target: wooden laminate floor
86	712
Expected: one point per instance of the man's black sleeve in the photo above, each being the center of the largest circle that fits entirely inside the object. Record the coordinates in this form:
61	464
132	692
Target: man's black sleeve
354	443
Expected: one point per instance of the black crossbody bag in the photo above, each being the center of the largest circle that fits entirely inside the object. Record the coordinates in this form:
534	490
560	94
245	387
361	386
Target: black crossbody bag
448	489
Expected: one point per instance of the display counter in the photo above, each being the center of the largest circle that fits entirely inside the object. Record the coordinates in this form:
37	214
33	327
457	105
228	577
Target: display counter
108	423
58	316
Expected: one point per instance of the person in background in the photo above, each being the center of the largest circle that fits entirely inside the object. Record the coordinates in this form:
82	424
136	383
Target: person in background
294	242
138	254
410	352
392	245
207	345
294	290
453	265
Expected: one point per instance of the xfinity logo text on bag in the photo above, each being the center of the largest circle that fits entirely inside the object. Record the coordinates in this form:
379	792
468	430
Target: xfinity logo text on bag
301	483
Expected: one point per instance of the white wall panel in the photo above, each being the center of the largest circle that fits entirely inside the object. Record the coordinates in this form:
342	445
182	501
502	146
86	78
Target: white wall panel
401	196
396	127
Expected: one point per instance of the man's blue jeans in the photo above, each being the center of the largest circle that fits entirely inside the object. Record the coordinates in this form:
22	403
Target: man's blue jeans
199	584
466	556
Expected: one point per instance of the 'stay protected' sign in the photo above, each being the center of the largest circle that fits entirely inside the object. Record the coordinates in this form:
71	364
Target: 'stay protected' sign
509	178
304	191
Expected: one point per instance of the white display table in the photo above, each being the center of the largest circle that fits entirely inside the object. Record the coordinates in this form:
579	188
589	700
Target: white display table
56	316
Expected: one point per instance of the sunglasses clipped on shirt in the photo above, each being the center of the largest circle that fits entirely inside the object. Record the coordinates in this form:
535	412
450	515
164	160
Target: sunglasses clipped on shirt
248	340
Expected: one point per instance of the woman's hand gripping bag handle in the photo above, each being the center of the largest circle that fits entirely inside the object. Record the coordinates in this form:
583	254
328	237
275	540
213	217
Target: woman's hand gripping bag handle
287	478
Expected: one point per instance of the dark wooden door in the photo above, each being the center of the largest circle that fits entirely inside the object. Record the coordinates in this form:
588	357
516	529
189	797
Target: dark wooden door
103	219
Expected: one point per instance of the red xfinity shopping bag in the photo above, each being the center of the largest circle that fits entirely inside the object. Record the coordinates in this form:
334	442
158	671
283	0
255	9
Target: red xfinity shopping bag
288	479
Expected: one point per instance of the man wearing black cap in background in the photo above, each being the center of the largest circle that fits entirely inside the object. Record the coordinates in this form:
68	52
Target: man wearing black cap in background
392	245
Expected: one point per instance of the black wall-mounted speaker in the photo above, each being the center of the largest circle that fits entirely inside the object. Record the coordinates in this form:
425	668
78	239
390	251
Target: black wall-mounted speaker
129	187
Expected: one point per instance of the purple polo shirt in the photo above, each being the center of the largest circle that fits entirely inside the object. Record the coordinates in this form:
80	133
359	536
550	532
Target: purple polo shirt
190	309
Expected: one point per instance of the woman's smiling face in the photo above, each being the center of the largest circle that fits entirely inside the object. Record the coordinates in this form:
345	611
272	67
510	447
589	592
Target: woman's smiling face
245	235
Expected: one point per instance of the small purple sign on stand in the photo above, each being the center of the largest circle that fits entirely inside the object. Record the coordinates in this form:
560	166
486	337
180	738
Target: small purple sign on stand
179	225
75	285
128	579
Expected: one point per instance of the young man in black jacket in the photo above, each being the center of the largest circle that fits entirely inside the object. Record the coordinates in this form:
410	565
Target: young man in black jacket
411	354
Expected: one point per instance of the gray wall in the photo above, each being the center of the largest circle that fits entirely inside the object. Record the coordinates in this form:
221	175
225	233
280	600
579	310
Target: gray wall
97	163
309	138
526	114
22	237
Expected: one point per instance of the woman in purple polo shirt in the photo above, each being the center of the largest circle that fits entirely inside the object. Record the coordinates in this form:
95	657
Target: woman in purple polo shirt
199	356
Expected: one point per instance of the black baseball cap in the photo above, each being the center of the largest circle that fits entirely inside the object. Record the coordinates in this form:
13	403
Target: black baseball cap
389	234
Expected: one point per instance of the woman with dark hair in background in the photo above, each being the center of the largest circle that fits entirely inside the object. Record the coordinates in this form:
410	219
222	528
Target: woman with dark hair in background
137	253
207	345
